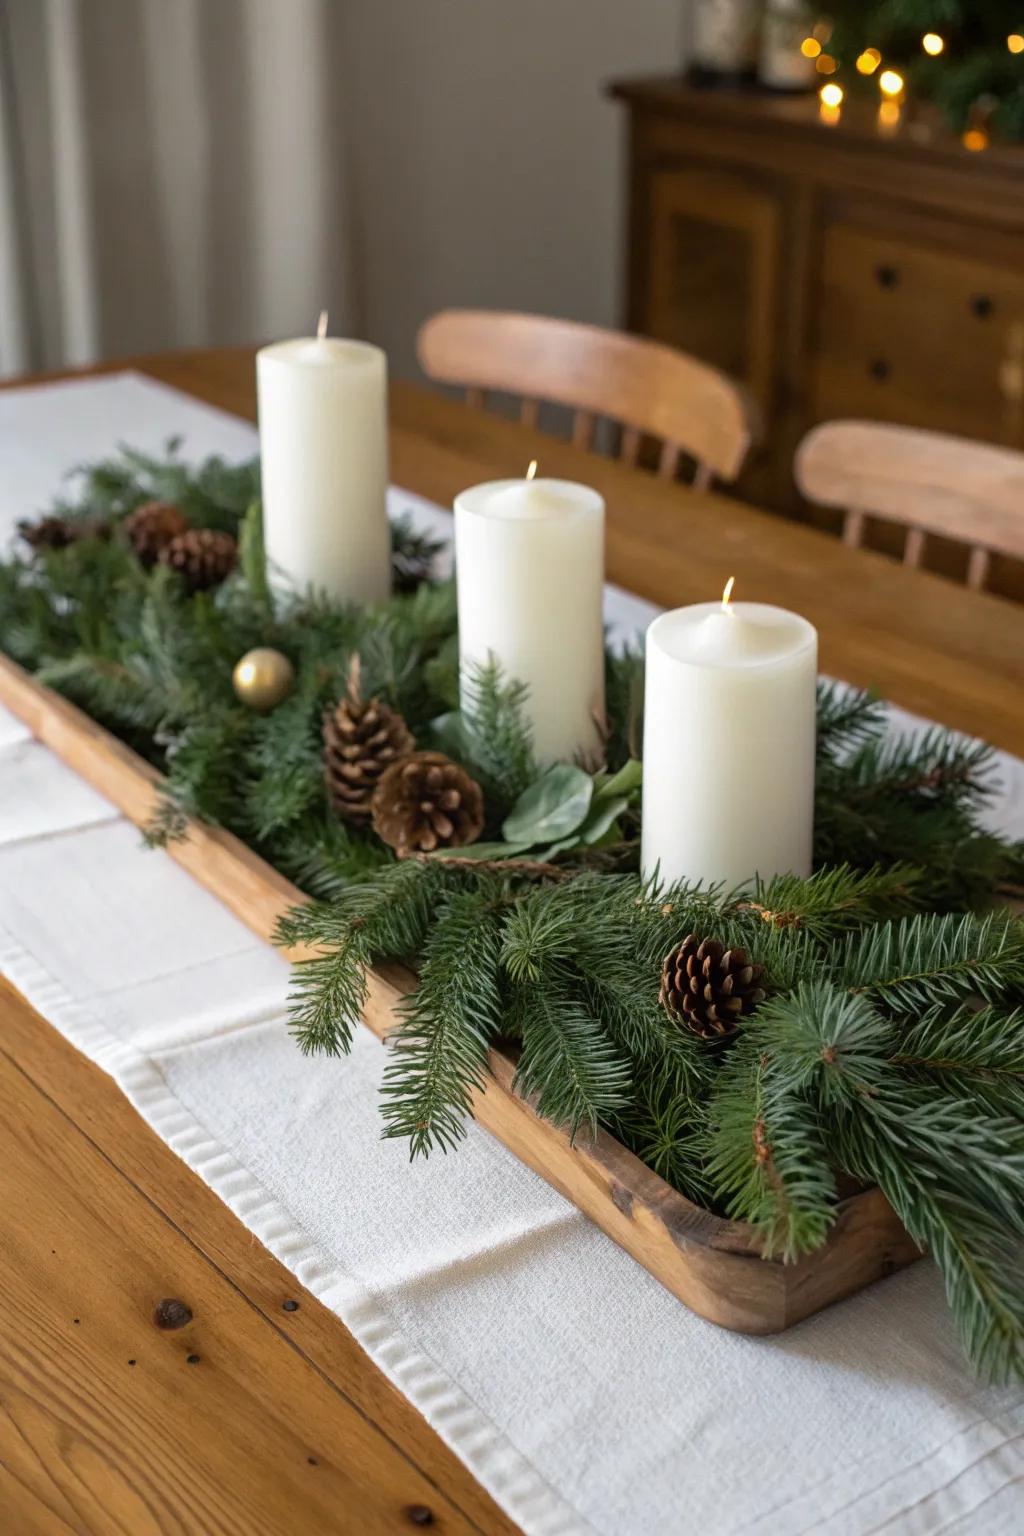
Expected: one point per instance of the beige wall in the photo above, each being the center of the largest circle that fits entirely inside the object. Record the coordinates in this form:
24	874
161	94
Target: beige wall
486	162
183	172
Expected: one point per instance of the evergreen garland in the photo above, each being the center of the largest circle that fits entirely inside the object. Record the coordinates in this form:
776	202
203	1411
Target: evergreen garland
975	68
889	1048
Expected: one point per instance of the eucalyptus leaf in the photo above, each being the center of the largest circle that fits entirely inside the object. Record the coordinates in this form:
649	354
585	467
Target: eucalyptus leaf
598	828
603	814
563	844
625	782
552	807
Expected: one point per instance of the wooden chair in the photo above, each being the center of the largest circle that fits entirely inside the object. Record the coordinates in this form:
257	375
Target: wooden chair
647	388
951	486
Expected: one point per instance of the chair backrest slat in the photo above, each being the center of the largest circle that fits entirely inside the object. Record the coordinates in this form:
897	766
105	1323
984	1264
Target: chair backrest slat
583	424
977	568
929	482
529	411
668	461
647	388
913	546
853	528
629	448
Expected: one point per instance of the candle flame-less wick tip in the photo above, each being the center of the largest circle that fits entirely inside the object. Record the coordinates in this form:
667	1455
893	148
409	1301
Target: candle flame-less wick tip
321	325
532	469
727	595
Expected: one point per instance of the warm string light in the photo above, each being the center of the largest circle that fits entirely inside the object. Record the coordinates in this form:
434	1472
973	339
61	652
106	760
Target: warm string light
831	99
868	61
975	139
932	43
1015	42
810	47
890	83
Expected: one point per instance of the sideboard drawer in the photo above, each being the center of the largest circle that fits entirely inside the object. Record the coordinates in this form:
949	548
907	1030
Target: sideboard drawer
918	333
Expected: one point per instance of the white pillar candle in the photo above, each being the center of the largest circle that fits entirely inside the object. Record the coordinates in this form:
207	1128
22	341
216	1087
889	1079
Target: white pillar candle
729	743
324	462
529	558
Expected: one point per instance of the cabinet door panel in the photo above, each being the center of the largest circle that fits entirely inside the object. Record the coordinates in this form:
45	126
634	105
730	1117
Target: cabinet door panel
713	272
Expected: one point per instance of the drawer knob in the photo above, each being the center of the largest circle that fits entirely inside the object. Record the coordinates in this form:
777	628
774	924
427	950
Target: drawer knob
878	368
981	305
887	276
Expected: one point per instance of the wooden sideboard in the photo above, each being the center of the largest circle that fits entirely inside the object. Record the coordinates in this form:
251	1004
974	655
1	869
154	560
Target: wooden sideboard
837	269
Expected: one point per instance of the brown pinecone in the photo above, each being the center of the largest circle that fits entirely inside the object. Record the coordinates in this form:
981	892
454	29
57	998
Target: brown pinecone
362	737
51	531
202	556
425	802
151	527
709	988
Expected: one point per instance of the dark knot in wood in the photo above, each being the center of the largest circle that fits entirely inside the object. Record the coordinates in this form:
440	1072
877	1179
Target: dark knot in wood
170	1313
419	1514
622	1197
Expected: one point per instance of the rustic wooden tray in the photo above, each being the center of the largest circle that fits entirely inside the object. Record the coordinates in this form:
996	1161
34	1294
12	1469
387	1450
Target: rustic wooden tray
712	1265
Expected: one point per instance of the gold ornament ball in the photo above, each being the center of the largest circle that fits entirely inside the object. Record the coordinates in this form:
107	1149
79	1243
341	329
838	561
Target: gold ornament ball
263	677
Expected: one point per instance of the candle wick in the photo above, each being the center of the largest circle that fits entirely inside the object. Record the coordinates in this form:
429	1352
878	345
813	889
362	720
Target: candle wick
727	595
321	325
532	469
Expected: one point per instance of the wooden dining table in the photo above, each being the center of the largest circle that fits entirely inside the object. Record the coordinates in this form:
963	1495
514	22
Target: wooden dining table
155	1359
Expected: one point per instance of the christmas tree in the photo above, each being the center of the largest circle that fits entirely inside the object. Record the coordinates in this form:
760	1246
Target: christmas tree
966	56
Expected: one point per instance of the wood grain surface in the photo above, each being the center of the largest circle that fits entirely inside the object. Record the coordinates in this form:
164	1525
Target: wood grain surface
256	1416
951	654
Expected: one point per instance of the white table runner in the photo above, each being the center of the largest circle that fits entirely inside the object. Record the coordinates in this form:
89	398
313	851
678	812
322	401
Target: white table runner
578	1391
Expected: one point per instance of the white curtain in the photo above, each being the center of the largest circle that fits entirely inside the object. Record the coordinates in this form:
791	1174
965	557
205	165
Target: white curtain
172	173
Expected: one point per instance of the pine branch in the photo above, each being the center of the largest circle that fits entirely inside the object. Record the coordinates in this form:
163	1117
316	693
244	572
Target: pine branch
386	916
439	1051
167	824
768	1162
669	1134
324	858
285	768
538	933
834	900
108	690
568	1062
911	966
499	746
202	761
846	719
968	1052
977	1253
